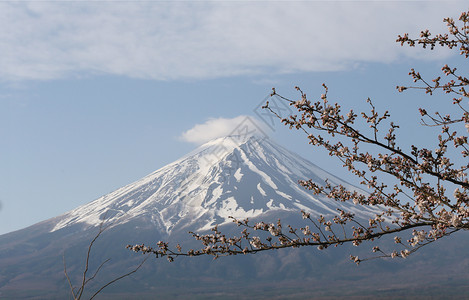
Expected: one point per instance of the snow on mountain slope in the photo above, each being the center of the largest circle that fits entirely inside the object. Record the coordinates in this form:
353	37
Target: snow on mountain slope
233	176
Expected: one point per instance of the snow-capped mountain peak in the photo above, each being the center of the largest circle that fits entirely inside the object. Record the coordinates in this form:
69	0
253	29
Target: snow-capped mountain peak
240	176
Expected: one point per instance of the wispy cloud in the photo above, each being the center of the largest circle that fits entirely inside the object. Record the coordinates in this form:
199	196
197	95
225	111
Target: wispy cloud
220	127
180	40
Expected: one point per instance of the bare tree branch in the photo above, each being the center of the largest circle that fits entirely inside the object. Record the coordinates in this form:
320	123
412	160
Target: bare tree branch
119	278
79	293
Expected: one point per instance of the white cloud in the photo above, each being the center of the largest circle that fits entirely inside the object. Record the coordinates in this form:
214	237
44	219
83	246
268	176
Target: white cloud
181	40
220	127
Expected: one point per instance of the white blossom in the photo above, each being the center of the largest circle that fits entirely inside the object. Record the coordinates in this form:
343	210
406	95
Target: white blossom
256	242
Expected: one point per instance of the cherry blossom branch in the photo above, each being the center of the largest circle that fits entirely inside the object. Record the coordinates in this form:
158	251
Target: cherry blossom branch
418	198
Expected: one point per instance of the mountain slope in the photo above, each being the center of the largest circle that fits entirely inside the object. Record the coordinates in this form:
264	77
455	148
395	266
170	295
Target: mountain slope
237	176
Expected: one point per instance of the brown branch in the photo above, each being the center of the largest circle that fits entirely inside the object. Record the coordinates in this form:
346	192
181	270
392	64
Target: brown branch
68	278
119	278
85	280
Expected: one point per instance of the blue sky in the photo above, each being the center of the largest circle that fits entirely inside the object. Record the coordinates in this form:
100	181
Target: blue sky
95	95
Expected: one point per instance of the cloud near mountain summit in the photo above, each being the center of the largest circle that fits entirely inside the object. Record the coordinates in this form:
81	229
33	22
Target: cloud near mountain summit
219	127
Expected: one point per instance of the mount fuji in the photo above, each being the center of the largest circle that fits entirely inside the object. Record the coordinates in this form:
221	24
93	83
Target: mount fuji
239	175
